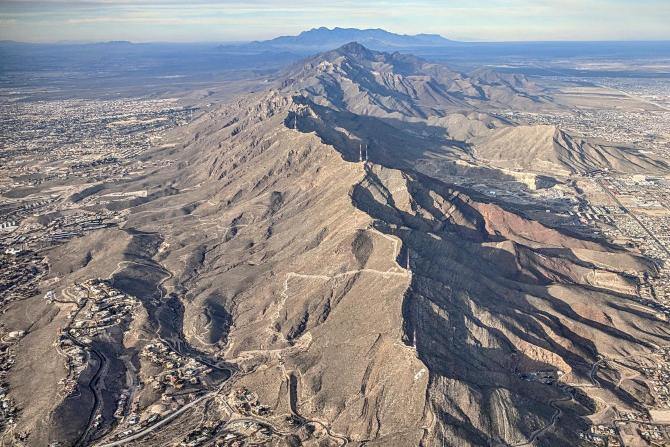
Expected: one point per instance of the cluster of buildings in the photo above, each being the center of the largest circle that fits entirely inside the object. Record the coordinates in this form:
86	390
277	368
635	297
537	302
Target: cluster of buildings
656	436
642	426
243	432
135	424
101	306
42	141
40	231
644	222
658	374
19	275
630	426
8	410
659	286
200	435
650	89
16	210
65	228
601	435
76	360
548	376
176	371
246	403
8	225
591	214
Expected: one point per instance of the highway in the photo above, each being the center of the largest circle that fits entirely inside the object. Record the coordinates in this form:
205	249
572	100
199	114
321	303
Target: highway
639	222
93	383
540	431
166	420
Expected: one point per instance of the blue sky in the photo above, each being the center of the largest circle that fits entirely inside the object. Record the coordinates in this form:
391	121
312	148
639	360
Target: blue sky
234	20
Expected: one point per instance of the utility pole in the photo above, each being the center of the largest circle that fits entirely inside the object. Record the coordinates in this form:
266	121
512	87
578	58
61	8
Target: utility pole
295	120
360	152
366	152
407	264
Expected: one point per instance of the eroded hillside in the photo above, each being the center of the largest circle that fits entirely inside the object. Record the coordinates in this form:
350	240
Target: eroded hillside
308	283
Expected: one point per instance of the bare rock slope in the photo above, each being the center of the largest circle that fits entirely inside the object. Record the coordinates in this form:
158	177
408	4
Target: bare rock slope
288	235
400	85
389	306
550	150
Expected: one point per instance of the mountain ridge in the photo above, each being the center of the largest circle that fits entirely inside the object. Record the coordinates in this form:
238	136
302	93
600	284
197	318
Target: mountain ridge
321	39
381	83
550	150
472	298
293	234
406	88
486	288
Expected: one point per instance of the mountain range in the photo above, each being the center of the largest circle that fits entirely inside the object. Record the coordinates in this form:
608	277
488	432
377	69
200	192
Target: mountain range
403	310
323	39
315	240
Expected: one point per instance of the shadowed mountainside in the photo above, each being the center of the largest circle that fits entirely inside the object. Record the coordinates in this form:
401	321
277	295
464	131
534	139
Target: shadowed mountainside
401	85
307	251
302	246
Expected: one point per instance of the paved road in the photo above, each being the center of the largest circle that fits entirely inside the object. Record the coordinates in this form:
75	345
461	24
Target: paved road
639	222
93	383
93	386
165	420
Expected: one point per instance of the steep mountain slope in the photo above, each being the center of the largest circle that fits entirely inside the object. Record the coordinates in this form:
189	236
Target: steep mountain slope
389	306
288	237
396	85
550	150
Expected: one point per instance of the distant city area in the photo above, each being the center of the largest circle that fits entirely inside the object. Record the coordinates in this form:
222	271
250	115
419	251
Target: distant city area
632	211
56	153
50	152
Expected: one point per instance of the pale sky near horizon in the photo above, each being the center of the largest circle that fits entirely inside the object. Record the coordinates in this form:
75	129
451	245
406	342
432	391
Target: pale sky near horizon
236	20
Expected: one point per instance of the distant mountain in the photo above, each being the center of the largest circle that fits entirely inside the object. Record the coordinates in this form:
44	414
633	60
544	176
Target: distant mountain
322	39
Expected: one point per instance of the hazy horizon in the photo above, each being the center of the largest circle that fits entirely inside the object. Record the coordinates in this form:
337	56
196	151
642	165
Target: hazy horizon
245	41
54	21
